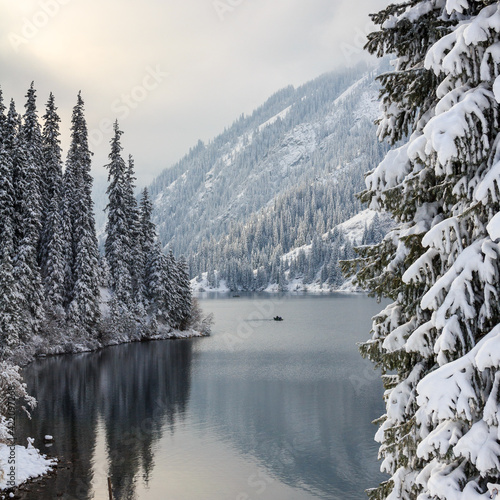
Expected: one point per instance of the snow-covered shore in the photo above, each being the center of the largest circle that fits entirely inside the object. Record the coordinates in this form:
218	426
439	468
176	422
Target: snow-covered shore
42	348
296	285
19	464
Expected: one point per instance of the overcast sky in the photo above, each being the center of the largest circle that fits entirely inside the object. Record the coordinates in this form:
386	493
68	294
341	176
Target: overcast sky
171	71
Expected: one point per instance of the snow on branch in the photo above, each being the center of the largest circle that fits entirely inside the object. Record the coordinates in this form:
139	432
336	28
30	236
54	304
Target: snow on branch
389	173
453	52
450	398
447	133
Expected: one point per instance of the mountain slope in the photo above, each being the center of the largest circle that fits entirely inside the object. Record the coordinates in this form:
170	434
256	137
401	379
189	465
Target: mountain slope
273	180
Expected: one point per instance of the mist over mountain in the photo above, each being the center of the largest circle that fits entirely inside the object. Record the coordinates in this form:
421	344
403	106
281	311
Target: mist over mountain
278	181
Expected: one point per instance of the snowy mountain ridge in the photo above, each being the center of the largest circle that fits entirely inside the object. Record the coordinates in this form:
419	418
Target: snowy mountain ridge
296	162
243	160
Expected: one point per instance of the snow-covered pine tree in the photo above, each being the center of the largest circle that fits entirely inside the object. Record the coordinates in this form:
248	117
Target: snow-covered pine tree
10	143
30	189
27	162
182	313
159	285
6	178
134	230
52	241
69	188
118	242
438	342
10	312
172	291
282	281
82	274
147	239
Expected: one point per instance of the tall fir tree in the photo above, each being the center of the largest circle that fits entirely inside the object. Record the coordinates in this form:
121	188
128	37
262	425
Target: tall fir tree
160	290
183	286
10	312
82	294
173	298
136	263
147	240
52	241
31	187
7	195
438	342
118	237
27	162
10	168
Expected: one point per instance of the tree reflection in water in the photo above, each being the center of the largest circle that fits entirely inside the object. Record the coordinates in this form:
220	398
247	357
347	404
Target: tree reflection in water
289	409
133	390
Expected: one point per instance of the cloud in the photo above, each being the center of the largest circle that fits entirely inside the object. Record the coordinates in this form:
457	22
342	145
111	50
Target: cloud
218	65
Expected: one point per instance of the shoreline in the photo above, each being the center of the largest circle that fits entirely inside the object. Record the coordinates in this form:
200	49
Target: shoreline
174	335
53	463
82	349
283	292
25	490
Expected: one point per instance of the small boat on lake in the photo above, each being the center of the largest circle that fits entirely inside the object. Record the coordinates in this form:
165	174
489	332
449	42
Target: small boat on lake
278	318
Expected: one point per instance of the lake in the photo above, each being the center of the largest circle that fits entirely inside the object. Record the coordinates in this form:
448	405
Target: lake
259	410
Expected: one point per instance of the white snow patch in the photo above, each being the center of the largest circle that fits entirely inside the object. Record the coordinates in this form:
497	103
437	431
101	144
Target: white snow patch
496	89
29	464
368	106
493	227
293	254
354	228
273	119
203	286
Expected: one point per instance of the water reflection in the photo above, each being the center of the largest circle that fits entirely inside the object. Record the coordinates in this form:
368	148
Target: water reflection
134	392
284	416
313	435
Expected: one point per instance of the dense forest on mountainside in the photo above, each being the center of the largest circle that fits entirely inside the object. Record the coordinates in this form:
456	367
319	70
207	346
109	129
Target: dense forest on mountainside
283	178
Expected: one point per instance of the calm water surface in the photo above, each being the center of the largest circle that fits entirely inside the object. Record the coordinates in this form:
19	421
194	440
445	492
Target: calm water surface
259	410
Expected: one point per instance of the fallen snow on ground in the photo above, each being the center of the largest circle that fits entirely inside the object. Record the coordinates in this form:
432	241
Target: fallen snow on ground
297	285
203	286
368	106
281	115
176	334
29	464
354	228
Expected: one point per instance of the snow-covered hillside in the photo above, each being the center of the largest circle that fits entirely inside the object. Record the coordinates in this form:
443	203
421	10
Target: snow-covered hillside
273	181
352	233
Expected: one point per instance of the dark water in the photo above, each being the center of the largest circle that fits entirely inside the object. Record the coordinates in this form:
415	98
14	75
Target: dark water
260	410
